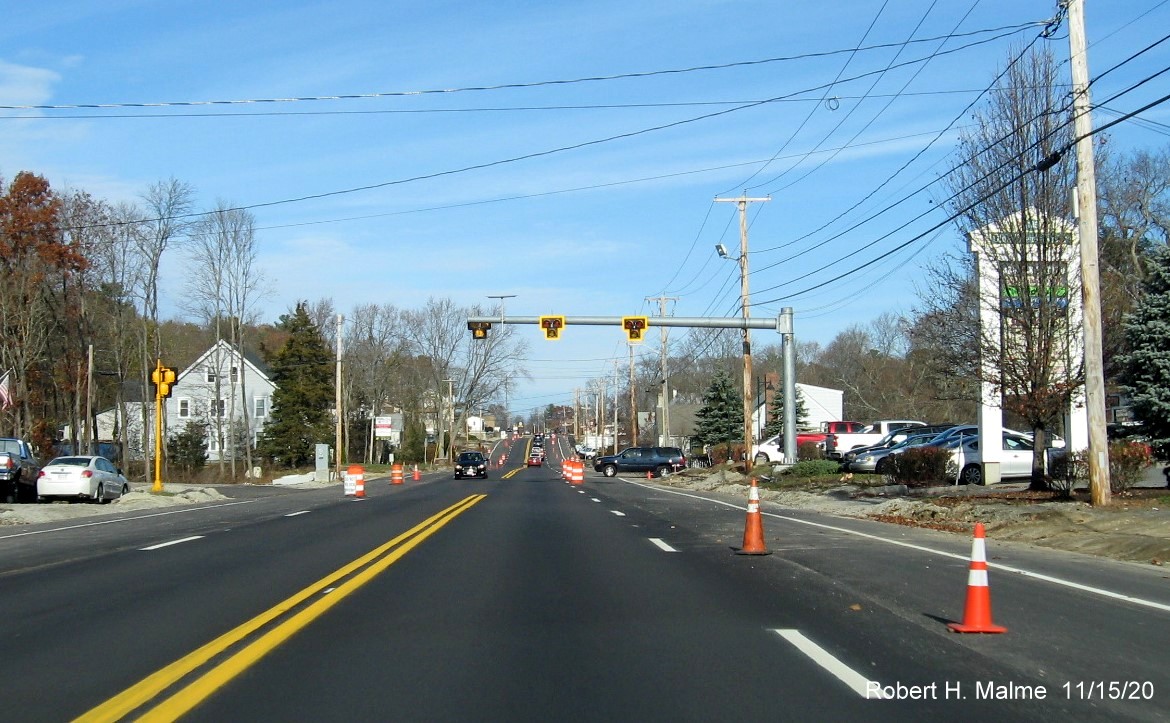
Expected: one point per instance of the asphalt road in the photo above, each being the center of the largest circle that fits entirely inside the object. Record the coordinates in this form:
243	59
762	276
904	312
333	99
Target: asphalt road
524	598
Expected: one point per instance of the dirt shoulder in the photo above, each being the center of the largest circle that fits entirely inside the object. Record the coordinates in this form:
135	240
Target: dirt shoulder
1136	527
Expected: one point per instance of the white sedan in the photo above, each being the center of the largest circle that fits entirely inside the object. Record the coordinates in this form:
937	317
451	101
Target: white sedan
80	476
1015	460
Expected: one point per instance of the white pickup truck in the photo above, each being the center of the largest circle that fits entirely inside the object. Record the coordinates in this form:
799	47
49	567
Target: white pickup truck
838	444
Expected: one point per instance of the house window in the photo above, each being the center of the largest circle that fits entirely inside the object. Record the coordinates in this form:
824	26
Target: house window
212	444
260	407
184	407
219	409
235	374
211	375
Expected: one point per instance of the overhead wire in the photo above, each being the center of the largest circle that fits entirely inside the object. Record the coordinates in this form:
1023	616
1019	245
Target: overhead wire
501	86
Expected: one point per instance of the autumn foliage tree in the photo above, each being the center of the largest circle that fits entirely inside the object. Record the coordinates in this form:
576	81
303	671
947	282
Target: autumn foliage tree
38	268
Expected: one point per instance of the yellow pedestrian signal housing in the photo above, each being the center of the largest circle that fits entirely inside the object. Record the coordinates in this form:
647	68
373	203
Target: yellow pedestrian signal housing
164	379
552	326
479	329
634	326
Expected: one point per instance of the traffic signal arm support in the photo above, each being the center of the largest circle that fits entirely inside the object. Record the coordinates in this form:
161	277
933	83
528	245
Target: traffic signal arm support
704	322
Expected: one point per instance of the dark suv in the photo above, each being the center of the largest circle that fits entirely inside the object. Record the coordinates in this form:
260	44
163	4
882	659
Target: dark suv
471	464
658	461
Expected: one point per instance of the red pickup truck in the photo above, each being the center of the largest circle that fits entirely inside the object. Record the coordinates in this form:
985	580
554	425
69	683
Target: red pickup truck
828	428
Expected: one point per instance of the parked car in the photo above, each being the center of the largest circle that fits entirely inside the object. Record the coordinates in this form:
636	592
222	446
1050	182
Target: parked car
658	461
471	464
586	452
18	471
82	476
876	459
893	439
1015	461
837	445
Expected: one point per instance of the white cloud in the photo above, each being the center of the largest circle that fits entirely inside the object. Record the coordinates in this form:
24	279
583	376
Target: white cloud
25	85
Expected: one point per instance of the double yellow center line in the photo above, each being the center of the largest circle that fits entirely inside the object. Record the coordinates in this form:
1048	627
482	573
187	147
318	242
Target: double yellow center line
347	579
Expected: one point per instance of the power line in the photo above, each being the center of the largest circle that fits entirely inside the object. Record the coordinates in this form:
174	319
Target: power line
509	86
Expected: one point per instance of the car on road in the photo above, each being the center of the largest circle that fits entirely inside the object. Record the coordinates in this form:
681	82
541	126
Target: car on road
658	461
535	459
82	477
471	464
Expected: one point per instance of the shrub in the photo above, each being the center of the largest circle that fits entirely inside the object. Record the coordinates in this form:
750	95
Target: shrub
721	453
1127	461
813	468
809	450
920	466
187	449
1066	471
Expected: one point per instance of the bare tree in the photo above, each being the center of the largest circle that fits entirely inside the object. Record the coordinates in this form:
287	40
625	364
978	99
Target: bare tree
1019	215
223	287
168	204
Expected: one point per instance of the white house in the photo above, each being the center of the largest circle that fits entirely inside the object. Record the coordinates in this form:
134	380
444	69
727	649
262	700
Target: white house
217	388
226	389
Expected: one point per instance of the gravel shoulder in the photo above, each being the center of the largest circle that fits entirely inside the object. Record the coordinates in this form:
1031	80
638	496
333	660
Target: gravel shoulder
1135	529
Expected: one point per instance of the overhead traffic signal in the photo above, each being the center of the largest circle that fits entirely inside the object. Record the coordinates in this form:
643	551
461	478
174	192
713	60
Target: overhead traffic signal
479	329
634	326
552	326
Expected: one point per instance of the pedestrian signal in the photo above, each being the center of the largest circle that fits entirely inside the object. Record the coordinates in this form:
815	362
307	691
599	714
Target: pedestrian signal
552	326
634	326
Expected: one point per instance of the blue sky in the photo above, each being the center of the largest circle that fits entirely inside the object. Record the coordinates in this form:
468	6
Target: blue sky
581	198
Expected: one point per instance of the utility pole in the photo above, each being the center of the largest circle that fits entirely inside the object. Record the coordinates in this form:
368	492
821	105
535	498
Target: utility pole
742	202
615	407
665	426
1090	275
337	379
90	432
633	402
576	414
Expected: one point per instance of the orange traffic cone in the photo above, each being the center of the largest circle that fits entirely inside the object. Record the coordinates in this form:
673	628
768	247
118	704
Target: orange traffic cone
753	531
649	474
416	476
977	612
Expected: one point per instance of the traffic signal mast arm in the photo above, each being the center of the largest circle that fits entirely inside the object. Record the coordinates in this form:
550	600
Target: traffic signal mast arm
778	323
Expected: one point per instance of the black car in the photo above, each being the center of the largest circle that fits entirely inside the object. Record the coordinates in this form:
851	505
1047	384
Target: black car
658	461
471	464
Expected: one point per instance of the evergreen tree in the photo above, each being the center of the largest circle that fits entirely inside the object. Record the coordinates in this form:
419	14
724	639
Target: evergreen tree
303	401
414	439
720	420
187	449
1145	370
775	417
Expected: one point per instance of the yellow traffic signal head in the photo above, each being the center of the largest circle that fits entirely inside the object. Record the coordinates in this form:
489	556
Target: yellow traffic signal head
552	326
479	329
634	326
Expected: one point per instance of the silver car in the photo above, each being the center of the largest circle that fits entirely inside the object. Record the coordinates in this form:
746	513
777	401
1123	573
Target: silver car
875	460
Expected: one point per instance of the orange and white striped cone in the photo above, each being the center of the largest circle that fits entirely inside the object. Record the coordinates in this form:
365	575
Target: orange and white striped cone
753	530
977	611
416	476
359	477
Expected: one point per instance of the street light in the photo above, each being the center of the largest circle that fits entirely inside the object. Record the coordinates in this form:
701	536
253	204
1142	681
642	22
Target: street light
721	250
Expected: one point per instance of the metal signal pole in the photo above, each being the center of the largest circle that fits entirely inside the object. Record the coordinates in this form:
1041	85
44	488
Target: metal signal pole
665	426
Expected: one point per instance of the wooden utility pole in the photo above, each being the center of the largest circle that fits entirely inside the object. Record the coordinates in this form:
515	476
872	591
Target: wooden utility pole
665	421
1090	274
337	384
742	202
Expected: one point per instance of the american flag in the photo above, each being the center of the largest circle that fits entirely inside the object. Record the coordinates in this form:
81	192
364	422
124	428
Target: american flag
6	390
